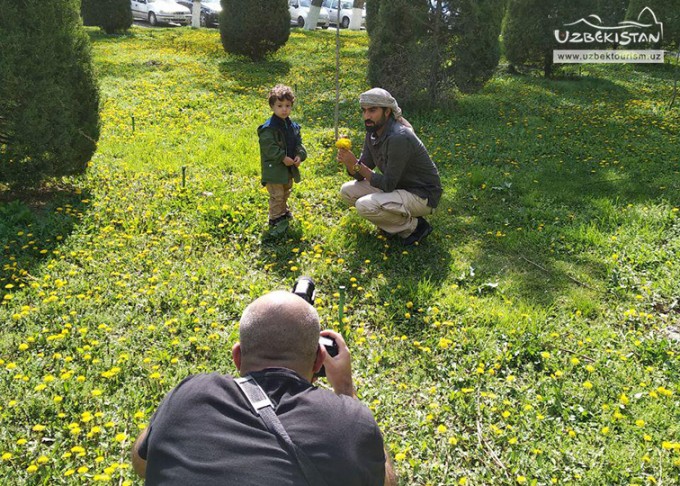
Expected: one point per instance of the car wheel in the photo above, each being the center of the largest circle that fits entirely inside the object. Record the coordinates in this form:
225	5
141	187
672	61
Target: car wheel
152	18
345	22
204	20
301	22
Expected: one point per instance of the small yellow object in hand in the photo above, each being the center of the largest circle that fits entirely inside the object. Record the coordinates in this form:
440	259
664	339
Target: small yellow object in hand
344	143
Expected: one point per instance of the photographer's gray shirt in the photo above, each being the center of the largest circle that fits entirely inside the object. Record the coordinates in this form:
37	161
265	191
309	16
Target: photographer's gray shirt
403	161
204	433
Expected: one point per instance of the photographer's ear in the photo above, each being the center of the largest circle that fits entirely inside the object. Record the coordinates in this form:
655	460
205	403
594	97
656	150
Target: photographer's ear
320	358
236	355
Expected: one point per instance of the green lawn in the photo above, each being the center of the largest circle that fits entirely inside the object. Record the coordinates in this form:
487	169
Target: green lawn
525	342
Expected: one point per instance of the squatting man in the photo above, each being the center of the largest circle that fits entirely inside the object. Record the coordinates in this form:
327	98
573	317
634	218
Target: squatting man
205	433
407	188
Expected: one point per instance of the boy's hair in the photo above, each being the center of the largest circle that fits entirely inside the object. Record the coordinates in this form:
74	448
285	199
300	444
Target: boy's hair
281	92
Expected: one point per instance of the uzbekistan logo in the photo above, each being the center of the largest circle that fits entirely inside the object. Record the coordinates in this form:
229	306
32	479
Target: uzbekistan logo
646	29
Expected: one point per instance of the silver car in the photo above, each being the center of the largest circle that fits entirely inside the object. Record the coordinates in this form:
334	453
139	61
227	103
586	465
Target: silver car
160	11
299	10
346	7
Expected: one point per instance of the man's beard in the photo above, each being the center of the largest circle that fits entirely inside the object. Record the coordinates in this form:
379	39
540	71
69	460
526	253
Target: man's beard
375	126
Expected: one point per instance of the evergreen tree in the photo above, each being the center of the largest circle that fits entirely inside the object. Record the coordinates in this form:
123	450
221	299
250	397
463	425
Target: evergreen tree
398	49
476	50
372	9
49	98
111	15
421	49
666	11
529	29
254	28
610	11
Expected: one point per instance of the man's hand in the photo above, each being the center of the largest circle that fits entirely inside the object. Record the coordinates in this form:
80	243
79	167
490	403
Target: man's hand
297	161
347	158
287	161
339	367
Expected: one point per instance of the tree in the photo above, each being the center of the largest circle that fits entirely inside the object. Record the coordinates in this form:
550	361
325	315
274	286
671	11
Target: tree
49	98
421	49
529	29
357	13
476	50
372	12
397	53
111	15
254	28
313	15
667	11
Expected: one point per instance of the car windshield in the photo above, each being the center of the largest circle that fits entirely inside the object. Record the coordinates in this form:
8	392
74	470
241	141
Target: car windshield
305	3
346	4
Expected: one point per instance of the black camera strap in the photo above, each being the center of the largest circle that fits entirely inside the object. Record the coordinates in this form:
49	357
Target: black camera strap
262	406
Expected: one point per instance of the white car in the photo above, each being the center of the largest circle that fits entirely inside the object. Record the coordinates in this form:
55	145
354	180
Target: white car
346	7
160	11
299	10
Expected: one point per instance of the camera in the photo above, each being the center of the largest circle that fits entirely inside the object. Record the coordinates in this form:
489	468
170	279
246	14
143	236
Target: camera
305	288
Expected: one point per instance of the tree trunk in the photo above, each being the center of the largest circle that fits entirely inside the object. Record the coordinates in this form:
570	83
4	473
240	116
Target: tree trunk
196	14
312	17
357	11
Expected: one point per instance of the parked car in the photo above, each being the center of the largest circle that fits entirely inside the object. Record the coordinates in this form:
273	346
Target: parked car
210	11
299	10
346	8
160	11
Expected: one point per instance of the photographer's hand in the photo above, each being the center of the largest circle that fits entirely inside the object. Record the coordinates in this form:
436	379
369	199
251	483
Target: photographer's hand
339	368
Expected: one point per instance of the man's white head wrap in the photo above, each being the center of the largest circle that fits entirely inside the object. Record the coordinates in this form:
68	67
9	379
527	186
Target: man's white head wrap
380	97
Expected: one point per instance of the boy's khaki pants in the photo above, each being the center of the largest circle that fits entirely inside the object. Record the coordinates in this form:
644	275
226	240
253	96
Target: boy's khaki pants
278	198
394	212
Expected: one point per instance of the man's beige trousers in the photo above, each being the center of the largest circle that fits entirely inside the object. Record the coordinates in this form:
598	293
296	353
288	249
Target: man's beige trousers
394	212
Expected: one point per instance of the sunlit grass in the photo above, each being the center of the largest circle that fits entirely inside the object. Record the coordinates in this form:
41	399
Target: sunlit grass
524	341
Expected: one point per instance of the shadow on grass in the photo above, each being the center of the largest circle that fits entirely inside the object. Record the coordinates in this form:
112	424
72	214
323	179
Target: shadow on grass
537	171
255	75
387	269
33	224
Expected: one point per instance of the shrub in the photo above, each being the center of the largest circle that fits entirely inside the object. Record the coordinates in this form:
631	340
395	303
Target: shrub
476	50
529	29
372	9
48	93
254	28
397	59
667	11
111	15
420	49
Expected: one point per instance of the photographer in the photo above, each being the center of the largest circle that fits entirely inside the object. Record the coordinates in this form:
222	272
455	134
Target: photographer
206	432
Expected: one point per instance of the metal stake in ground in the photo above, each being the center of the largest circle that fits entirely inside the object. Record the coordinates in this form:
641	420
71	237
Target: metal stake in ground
341	304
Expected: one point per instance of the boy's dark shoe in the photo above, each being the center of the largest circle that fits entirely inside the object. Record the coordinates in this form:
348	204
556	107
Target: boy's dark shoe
278	226
420	233
275	221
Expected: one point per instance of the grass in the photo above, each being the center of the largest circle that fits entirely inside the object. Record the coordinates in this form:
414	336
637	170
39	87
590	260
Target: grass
525	342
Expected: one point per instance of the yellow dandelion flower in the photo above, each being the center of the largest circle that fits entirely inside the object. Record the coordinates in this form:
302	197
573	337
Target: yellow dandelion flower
344	143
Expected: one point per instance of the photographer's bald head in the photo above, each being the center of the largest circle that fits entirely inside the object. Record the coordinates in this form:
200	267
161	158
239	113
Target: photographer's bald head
279	329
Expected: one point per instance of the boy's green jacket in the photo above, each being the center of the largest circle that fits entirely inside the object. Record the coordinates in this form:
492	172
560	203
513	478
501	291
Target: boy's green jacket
272	152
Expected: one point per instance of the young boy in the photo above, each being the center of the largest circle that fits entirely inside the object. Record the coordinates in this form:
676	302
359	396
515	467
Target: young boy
281	152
